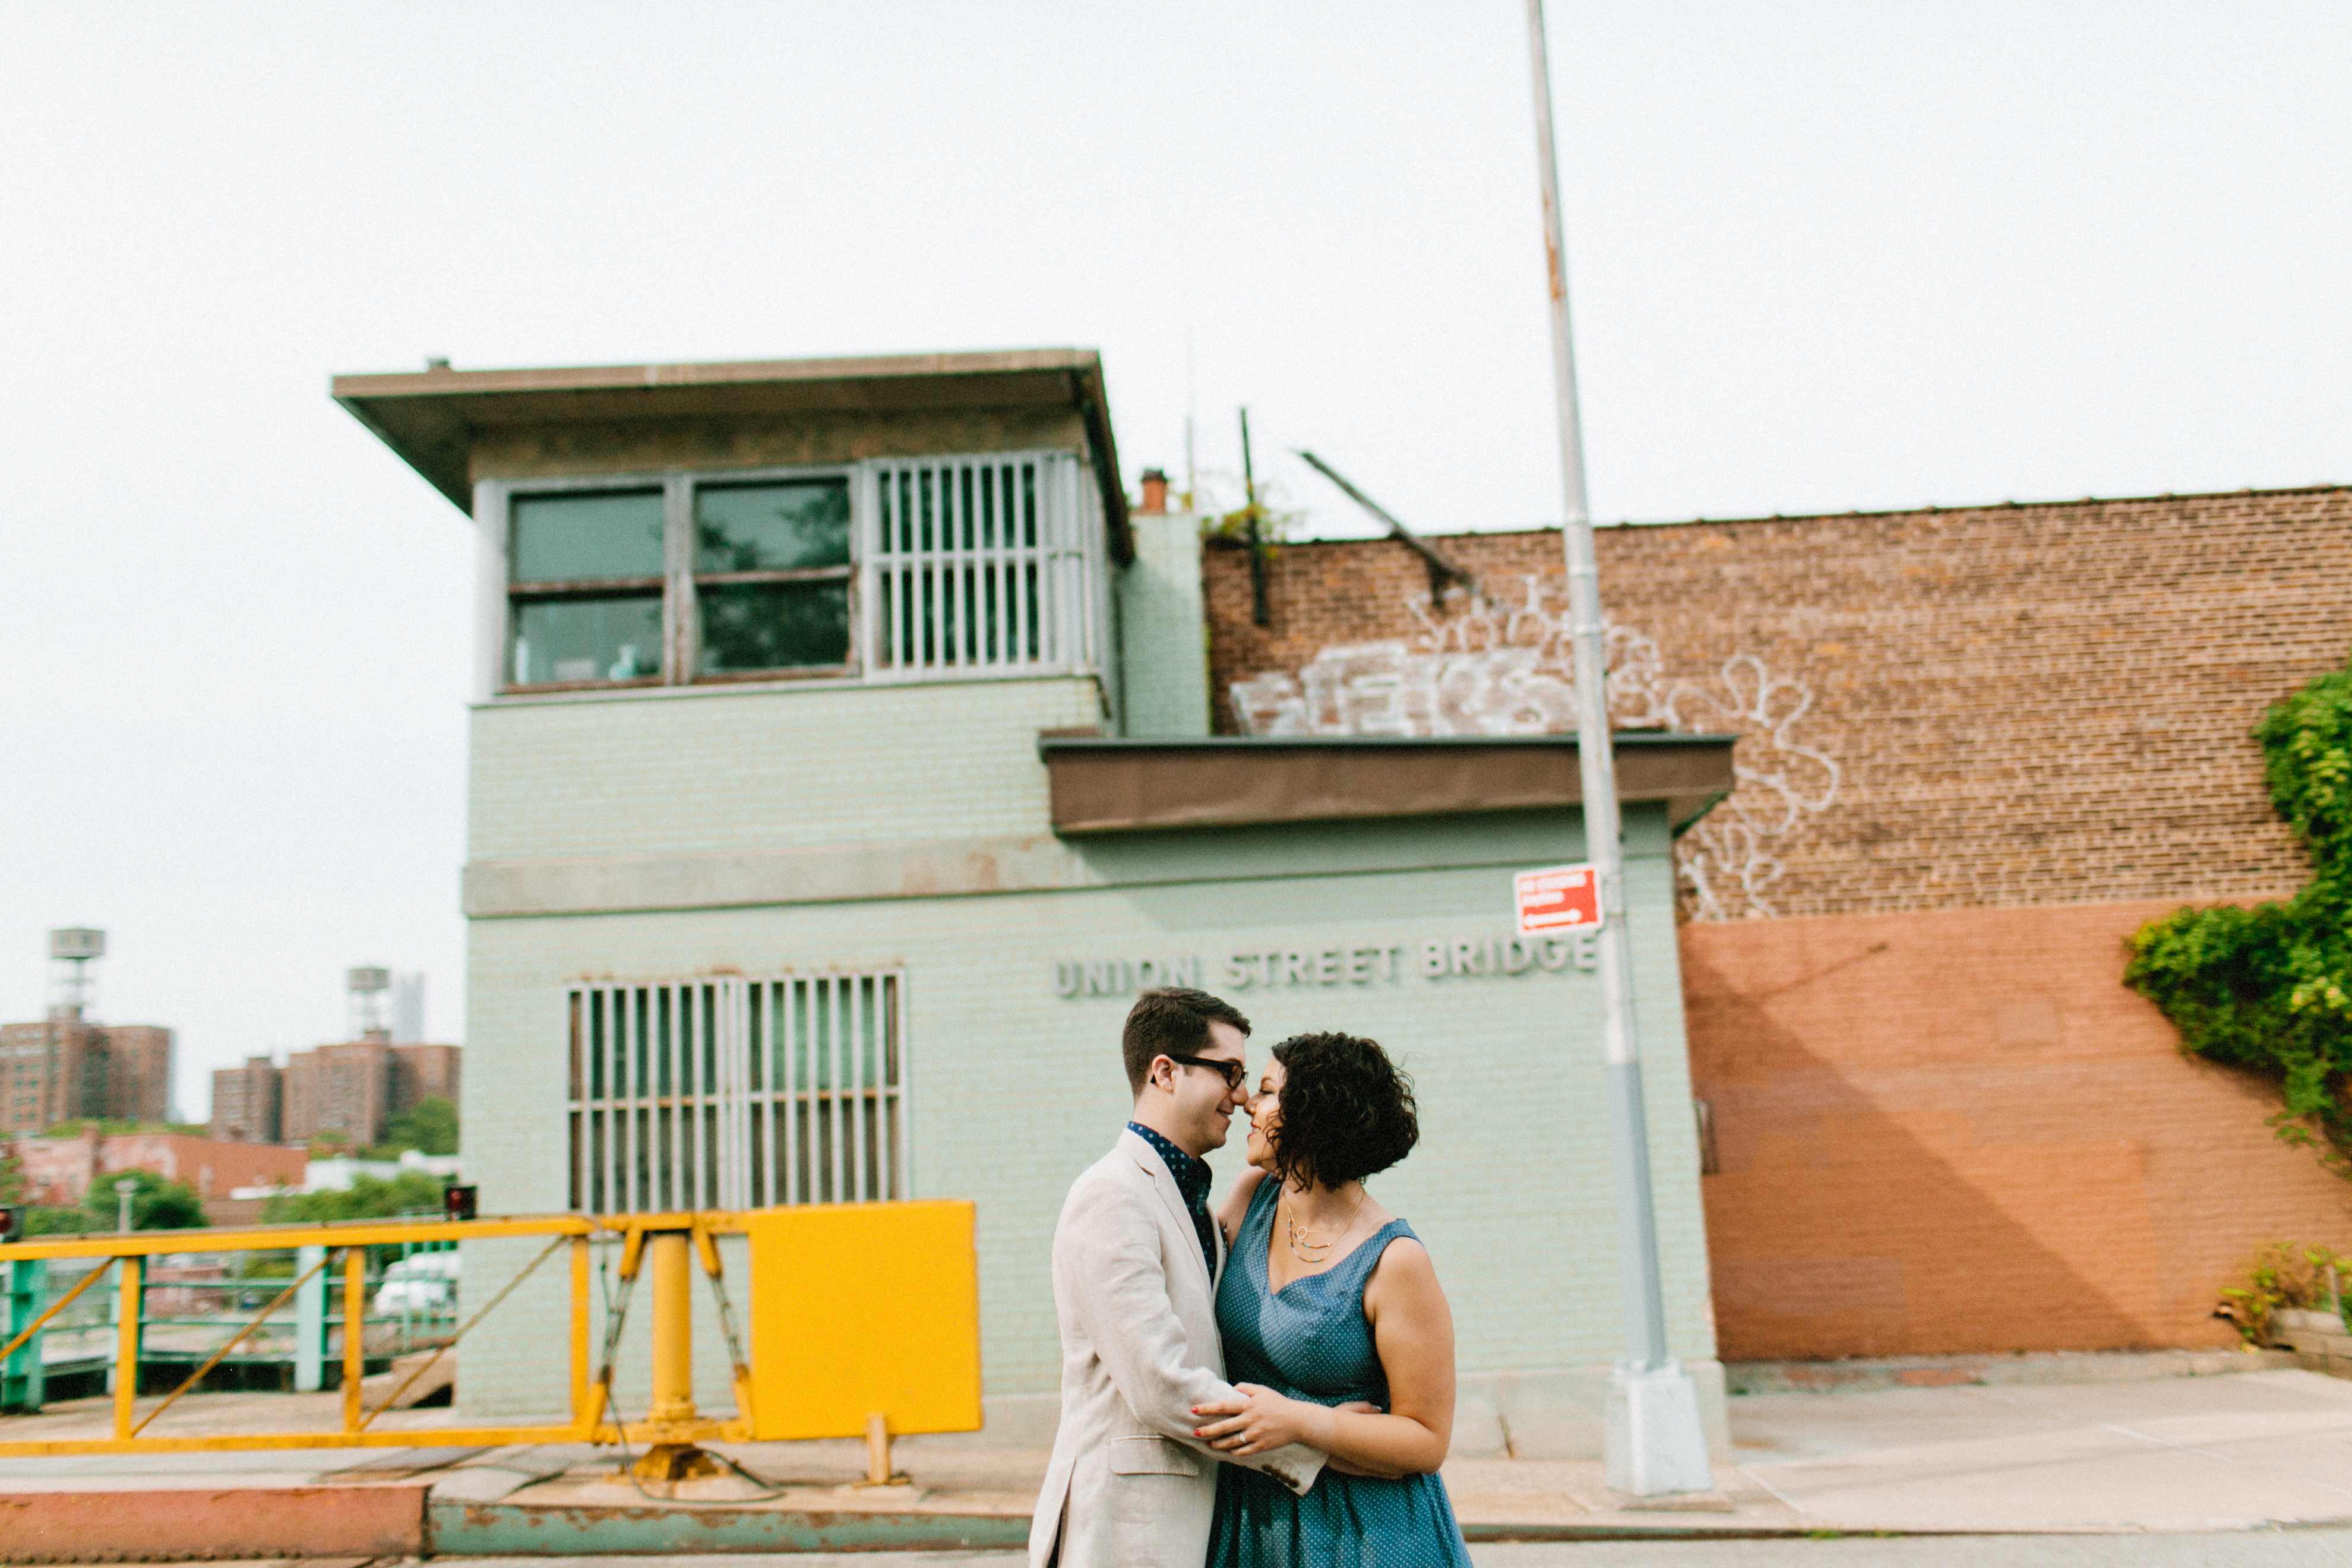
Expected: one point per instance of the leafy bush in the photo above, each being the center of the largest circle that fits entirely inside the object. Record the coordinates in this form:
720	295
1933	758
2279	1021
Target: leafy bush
411	1192
2279	1275
430	1127
2269	989
155	1204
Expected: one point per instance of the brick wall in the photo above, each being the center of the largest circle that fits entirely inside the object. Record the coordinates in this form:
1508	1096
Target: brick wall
60	1171
1956	1131
2006	705
1979	747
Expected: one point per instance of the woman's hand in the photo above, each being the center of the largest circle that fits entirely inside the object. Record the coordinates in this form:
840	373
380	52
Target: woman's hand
1257	1419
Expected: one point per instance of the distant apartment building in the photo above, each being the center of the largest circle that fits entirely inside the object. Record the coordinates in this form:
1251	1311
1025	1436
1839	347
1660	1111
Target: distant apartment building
422	1073
67	1067
342	1089
353	1090
247	1107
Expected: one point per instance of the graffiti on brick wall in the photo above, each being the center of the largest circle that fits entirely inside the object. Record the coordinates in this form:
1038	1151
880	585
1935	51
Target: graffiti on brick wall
1495	667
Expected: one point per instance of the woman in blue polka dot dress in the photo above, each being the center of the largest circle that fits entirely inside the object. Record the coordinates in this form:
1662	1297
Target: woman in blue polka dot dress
1334	1329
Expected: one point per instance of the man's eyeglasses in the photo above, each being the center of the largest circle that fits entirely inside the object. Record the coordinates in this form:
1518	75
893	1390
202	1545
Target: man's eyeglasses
1236	1074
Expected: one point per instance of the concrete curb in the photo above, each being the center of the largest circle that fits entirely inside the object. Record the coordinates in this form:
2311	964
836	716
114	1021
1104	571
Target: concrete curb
403	1520
379	1520
522	1530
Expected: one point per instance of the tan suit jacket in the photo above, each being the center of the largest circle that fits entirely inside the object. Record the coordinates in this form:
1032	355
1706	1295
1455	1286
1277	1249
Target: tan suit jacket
1129	1486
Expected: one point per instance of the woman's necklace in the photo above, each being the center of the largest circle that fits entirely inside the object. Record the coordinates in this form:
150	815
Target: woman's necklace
1308	1246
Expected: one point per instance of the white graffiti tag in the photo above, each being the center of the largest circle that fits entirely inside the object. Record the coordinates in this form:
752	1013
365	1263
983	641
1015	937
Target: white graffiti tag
1490	668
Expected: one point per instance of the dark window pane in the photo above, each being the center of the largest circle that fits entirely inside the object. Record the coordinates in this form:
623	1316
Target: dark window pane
774	625
587	639
771	527
582	538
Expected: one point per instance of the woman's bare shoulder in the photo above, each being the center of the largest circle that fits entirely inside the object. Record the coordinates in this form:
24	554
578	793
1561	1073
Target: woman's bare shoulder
1403	1269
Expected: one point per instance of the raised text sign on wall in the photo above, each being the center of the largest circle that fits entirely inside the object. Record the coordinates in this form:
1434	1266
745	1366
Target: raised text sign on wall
1356	964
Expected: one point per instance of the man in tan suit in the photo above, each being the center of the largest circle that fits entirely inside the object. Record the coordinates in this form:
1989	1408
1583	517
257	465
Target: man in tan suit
1136	1261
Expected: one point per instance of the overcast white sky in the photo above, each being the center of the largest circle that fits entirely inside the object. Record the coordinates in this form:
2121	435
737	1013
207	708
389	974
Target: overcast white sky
1824	257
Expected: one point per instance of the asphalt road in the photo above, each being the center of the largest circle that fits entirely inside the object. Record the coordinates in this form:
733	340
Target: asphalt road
2240	1549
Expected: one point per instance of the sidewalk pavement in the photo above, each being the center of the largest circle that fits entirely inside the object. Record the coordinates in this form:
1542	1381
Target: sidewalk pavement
2242	1451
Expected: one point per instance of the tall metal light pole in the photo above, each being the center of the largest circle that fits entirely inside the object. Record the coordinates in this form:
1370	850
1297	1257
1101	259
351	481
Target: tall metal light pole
1655	1441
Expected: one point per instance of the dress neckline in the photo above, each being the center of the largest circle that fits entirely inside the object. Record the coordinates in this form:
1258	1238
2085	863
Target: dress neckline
1264	1253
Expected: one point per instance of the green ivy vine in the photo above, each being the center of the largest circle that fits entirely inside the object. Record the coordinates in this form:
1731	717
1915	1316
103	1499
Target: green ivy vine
2269	988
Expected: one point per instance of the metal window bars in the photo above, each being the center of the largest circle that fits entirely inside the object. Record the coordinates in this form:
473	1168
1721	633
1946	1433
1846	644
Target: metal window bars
979	565
731	1093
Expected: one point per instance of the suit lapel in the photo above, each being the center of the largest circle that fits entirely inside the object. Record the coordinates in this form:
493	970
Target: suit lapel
1164	1182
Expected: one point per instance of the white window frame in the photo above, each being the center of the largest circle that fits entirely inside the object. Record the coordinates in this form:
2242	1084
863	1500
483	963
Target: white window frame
782	1089
1066	561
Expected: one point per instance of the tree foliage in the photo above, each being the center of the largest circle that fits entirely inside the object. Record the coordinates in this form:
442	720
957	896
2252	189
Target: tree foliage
367	1197
430	1127
2269	988
155	1204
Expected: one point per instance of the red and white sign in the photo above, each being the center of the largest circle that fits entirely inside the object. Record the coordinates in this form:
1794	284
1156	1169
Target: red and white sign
1556	899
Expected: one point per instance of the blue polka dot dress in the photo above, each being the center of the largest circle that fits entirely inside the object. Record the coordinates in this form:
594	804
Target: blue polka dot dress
1311	1340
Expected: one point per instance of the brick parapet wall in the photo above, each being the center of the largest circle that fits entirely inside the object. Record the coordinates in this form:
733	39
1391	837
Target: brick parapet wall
2011	705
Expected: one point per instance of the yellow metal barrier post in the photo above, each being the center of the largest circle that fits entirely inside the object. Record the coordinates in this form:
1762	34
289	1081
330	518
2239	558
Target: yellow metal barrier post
355	1332
670	1423
126	1310
580	1332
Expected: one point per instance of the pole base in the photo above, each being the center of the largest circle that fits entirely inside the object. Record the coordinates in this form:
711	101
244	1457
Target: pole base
675	1462
1656	1444
878	1472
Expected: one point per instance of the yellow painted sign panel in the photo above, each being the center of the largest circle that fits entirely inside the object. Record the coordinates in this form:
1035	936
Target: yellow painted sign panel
860	1309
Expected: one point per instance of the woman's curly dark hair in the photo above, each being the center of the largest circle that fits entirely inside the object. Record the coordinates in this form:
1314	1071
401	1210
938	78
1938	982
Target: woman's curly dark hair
1347	1112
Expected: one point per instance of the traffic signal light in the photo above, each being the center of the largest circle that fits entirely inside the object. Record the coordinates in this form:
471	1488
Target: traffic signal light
457	1203
12	1220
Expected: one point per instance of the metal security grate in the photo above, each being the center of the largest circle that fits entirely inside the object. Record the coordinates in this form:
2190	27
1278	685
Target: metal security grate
734	1093
979	566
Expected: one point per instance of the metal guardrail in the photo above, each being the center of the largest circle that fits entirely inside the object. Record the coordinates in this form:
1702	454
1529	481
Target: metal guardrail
888	1343
127	1257
77	1337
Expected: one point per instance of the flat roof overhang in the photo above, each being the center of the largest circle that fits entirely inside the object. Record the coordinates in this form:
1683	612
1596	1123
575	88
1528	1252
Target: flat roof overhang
430	418
1103	784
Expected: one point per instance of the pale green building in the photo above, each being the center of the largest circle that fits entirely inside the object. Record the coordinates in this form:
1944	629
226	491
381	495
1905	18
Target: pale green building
840	765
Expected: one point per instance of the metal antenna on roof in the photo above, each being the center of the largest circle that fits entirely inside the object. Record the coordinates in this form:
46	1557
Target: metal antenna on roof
1259	612
1191	401
1441	566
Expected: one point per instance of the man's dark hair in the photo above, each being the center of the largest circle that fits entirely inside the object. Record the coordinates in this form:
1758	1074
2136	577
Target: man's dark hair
1172	1021
1347	1112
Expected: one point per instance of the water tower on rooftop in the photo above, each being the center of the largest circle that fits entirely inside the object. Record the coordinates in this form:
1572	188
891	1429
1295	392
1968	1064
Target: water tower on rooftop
73	987
368	987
